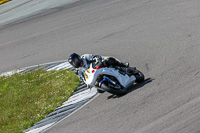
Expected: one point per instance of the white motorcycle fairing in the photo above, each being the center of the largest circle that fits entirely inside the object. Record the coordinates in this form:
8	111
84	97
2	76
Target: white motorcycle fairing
92	74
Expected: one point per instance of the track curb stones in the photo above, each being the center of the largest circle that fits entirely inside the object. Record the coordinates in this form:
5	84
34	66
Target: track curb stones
82	96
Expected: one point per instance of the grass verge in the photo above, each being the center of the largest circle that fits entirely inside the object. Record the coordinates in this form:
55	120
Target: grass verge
27	98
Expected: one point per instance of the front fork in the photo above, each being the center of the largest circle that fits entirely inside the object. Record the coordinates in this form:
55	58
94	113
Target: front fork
106	79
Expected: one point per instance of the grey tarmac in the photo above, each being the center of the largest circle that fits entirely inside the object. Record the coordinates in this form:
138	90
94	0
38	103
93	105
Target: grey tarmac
160	37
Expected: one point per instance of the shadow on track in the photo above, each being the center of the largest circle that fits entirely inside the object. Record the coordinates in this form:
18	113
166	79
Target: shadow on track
132	88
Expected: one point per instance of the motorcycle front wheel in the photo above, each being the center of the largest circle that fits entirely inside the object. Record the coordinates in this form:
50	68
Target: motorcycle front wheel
112	90
100	91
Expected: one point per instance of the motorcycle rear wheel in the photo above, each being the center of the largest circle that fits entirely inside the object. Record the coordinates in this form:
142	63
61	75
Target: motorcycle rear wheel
139	76
113	90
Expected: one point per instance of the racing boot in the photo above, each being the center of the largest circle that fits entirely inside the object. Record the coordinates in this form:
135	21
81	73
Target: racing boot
125	64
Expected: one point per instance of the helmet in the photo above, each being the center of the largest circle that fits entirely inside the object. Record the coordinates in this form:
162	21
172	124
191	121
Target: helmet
75	60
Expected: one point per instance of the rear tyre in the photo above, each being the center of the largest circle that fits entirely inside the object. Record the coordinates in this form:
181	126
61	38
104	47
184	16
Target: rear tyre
139	76
109	89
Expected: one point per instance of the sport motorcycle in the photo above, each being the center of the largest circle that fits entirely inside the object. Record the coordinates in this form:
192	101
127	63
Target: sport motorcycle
112	79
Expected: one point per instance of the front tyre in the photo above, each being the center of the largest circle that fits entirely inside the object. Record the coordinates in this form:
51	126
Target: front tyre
139	76
100	91
112	90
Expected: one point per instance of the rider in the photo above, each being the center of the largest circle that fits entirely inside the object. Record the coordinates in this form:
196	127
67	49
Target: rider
78	61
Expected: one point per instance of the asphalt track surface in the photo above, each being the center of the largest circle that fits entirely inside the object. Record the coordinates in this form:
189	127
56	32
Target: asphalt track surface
161	38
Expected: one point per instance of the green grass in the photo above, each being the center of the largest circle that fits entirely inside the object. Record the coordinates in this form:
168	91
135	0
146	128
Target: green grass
27	98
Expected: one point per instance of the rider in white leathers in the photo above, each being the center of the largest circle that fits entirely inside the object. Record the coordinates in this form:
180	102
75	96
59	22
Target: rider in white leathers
83	62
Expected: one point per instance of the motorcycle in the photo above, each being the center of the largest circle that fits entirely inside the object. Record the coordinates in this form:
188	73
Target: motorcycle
114	80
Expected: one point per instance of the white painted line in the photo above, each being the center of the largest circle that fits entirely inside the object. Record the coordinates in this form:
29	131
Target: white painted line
88	94
71	113
37	130
11	72
61	66
80	98
78	94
